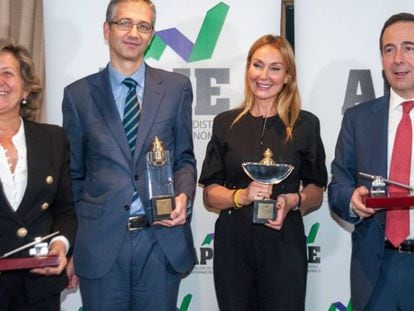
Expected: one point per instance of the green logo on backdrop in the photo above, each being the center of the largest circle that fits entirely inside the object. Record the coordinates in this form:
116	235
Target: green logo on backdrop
339	306
185	304
312	233
204	45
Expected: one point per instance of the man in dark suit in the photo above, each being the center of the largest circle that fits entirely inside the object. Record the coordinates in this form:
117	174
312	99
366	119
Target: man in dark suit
382	267
126	261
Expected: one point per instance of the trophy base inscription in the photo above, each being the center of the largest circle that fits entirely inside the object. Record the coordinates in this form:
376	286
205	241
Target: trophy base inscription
28	263
162	206
391	200
263	211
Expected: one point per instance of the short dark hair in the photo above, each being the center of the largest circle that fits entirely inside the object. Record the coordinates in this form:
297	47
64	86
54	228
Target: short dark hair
111	9
400	17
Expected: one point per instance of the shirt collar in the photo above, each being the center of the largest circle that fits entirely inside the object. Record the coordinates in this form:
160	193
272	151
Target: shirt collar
19	138
396	100
116	77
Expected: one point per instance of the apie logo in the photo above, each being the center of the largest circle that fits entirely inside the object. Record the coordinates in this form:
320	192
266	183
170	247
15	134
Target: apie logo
185	304
313	250
205	256
339	306
204	45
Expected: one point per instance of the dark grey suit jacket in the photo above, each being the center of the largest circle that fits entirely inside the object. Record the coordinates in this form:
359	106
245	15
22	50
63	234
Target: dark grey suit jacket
361	147
104	174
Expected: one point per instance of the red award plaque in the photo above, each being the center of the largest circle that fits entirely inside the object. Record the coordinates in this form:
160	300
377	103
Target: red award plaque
392	200
28	262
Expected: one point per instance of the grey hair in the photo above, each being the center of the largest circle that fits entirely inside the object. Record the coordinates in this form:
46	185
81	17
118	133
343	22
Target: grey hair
112	6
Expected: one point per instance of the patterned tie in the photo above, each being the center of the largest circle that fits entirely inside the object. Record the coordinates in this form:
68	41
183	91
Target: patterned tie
131	119
397	225
131	113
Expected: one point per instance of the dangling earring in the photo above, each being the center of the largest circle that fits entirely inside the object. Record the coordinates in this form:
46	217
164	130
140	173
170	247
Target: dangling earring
24	101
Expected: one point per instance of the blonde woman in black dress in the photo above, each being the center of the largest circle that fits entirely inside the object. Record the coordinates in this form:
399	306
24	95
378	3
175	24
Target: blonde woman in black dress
263	267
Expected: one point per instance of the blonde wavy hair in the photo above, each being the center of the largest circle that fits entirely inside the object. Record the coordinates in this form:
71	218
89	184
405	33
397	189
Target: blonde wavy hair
287	103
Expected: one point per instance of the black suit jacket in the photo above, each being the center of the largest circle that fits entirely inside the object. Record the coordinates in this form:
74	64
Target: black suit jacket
47	205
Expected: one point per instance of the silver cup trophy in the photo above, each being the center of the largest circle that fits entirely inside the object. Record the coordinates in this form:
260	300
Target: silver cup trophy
160	180
268	172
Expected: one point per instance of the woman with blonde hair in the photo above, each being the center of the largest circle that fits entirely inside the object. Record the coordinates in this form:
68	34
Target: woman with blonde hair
263	266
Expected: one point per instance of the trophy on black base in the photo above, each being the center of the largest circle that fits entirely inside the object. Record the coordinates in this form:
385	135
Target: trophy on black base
268	172
160	181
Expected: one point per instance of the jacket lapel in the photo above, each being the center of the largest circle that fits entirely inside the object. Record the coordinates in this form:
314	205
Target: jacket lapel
35	156
153	95
379	144
5	205
104	100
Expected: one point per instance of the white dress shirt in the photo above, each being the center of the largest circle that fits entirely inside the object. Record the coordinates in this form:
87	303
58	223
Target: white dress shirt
14	184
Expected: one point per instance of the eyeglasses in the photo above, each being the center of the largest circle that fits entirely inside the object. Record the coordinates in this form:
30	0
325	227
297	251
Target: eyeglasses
126	24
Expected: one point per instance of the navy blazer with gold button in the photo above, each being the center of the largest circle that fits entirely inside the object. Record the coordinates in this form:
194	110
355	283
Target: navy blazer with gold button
47	205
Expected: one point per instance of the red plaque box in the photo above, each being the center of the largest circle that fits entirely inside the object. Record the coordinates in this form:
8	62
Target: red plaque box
28	263
393	200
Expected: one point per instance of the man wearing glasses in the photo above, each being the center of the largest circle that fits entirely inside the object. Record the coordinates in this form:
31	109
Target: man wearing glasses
125	260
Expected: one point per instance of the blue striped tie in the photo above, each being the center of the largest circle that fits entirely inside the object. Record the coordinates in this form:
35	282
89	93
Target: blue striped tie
131	113
131	118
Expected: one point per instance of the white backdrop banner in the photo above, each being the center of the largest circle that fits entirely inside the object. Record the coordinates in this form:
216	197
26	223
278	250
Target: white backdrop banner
205	40
339	65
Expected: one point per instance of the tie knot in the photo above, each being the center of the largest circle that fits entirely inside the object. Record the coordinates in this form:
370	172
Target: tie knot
130	83
407	106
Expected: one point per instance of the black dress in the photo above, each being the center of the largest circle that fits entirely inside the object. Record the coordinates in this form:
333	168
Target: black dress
255	267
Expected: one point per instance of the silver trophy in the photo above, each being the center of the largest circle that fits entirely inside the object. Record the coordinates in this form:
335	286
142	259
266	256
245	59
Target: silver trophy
379	184
40	248
381	196
38	256
268	172
160	181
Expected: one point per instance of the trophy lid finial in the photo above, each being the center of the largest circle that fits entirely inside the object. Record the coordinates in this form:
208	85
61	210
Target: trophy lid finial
158	152
157	144
267	157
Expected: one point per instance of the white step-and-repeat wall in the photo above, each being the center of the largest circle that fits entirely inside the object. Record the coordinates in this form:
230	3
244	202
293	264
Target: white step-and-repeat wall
338	63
